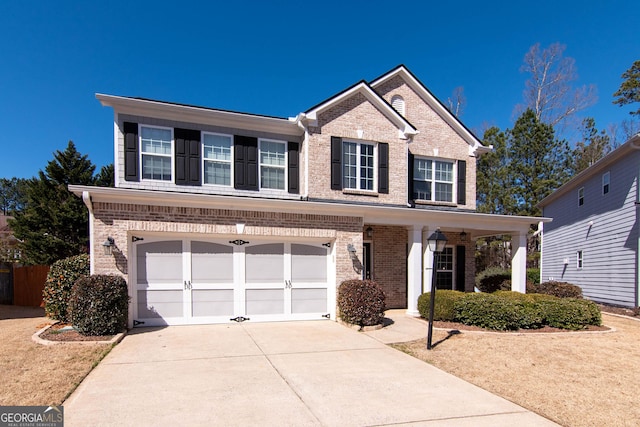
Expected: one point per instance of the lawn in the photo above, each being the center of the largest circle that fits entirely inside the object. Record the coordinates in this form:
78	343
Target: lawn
574	379
34	374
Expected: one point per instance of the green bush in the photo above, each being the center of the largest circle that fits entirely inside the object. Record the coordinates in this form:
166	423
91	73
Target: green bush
361	302
60	280
443	306
99	305
488	311
531	314
492	279
533	275
557	289
570	313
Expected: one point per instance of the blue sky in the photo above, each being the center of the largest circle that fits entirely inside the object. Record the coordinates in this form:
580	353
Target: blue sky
280	58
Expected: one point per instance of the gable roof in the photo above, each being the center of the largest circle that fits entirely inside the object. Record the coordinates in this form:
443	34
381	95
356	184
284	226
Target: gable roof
363	88
414	83
631	145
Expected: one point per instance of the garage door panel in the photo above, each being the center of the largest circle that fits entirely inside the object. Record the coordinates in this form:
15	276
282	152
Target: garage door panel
159	262
207	303
311	300
265	263
211	263
153	304
264	301
308	263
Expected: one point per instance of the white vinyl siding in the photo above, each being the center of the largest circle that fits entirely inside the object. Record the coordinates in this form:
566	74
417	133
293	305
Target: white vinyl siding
358	166
272	164
156	152
433	180
217	158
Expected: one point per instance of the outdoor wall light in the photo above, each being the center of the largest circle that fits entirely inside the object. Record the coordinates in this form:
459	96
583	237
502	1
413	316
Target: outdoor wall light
463	236
369	232
108	246
352	251
437	242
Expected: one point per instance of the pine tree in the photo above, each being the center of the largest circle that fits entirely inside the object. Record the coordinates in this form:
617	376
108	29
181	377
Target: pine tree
629	90
493	180
594	146
54	223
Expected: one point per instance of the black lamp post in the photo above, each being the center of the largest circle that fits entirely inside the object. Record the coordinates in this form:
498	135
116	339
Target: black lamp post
437	241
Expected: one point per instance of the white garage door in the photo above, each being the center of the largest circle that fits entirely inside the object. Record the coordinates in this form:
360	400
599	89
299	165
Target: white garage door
187	281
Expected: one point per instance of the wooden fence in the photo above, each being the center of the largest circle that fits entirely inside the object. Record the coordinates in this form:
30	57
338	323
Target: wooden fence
28	283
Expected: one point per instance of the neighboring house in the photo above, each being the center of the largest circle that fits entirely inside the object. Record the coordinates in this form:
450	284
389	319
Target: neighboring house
221	215
593	239
9	251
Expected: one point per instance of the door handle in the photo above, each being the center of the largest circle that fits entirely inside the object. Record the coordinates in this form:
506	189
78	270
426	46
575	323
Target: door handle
187	284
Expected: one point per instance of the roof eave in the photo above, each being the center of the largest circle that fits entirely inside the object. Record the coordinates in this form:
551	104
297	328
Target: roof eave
191	114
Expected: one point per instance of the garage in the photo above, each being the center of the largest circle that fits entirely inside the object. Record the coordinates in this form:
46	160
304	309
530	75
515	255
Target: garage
189	281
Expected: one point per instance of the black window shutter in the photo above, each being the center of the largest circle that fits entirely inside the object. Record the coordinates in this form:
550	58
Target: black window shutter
383	168
187	149
294	167
410	166
245	157
131	160
460	267
336	163
462	182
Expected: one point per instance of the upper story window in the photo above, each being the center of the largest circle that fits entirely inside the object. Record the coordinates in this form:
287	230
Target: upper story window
156	150
216	154
358	171
579	260
397	102
581	196
272	164
433	180
605	182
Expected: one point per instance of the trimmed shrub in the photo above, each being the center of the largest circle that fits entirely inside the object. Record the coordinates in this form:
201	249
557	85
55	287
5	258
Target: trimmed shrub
492	279
531	314
557	289
361	302
443	307
99	305
488	311
533	275
60	280
570	313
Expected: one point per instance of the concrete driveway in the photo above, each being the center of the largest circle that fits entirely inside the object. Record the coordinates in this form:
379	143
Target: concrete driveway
275	374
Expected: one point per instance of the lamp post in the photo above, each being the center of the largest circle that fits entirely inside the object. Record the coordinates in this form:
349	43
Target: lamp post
436	241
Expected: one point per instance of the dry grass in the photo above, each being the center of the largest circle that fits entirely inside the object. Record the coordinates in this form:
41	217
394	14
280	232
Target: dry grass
574	379
34	374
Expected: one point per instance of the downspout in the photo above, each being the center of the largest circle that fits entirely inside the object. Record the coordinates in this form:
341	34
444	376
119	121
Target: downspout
300	121
86	198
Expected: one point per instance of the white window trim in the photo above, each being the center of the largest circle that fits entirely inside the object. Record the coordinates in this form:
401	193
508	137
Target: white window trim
285	167
204	159
359	165
580	196
453	266
579	260
606	175
454	177
173	152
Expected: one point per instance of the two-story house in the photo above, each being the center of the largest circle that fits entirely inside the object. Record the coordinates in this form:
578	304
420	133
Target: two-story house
221	215
593	239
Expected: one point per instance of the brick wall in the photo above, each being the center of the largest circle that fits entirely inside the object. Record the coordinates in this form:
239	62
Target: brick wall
390	263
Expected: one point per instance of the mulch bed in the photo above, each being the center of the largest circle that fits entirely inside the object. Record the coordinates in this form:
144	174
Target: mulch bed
55	333
619	310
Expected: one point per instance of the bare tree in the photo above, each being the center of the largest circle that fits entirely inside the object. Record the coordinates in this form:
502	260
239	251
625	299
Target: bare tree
457	101
549	91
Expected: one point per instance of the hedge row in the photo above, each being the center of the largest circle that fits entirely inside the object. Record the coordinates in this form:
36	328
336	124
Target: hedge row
506	310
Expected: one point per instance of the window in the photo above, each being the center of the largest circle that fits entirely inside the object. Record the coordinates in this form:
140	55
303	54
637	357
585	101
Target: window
156	149
579	260
605	183
216	150
272	164
444	275
433	180
581	196
358	166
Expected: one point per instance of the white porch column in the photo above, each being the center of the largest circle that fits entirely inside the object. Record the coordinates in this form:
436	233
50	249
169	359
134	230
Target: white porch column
519	262
427	262
414	269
